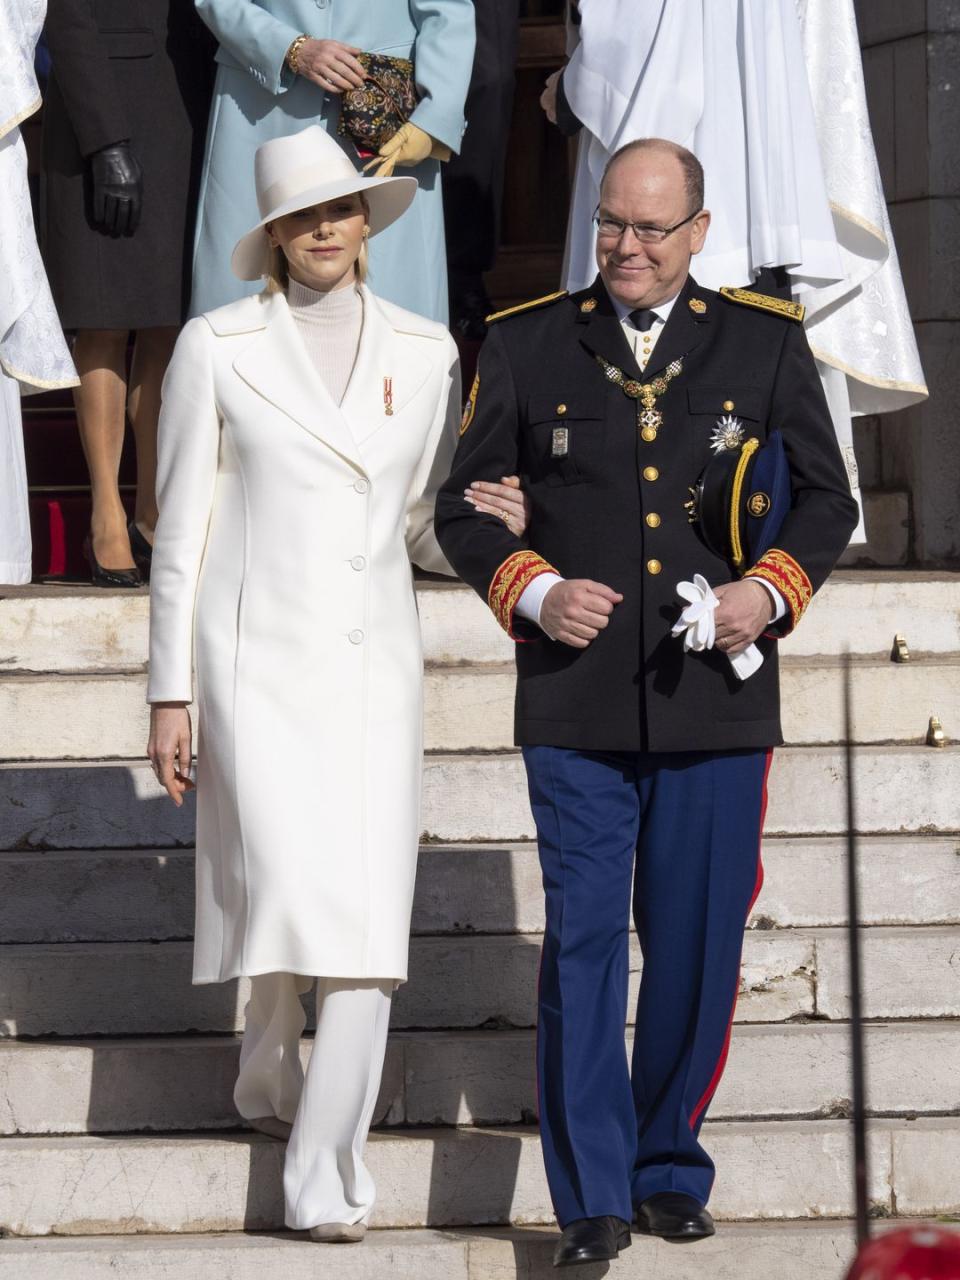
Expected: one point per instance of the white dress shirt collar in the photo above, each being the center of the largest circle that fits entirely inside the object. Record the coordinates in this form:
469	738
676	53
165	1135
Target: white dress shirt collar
661	310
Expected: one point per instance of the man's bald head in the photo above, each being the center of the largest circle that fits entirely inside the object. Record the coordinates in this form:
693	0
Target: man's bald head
659	152
649	187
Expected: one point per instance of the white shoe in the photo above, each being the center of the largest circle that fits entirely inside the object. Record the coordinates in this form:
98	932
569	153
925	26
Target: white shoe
272	1126
339	1232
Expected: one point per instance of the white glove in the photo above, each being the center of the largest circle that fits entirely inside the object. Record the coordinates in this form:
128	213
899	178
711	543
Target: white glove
697	626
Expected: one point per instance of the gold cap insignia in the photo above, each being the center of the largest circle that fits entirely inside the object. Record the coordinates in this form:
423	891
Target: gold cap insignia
588	305
758	504
697	306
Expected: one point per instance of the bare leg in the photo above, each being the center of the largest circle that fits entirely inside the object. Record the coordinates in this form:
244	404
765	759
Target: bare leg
151	355
100	400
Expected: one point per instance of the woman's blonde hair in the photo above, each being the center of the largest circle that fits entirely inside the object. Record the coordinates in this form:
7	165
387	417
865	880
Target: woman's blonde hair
278	278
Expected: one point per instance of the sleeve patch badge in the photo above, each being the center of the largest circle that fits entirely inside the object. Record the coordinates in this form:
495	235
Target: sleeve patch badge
470	408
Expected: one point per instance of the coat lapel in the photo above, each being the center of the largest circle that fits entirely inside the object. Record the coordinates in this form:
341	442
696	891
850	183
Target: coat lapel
387	375
277	367
685	329
602	332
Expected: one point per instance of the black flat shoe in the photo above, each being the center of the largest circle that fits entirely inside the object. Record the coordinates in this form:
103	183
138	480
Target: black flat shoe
142	550
676	1217
591	1240
101	577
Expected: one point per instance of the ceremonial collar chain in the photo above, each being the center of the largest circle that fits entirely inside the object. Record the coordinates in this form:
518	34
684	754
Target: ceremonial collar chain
649	417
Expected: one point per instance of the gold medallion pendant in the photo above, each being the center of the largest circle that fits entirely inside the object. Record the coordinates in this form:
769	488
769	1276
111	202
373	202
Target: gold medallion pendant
649	417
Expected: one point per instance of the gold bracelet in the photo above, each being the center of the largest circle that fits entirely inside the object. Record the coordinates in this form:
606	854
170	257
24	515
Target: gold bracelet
293	54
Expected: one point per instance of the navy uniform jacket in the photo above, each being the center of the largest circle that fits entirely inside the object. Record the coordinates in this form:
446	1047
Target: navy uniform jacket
609	505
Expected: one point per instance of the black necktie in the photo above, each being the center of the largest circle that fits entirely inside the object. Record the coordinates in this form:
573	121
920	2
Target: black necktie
643	319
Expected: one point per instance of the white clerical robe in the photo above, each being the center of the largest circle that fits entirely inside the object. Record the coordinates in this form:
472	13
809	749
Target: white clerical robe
33	352
859	328
726	79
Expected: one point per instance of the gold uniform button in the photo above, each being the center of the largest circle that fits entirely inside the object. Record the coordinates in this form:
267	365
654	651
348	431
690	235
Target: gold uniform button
651	473
653	520
654	566
561	409
649	433
728	406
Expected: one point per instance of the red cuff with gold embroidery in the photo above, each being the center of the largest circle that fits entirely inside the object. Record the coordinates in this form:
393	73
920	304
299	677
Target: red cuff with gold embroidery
509	583
783	572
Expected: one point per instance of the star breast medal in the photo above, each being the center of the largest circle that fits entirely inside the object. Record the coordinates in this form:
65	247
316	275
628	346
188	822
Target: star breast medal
727	434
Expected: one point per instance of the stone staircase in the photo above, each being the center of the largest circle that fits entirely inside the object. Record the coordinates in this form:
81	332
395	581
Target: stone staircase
121	1154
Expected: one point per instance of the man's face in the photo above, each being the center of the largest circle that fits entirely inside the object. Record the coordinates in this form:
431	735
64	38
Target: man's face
647	187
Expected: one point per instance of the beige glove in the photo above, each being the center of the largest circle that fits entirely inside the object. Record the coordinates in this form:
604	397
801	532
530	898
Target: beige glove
409	146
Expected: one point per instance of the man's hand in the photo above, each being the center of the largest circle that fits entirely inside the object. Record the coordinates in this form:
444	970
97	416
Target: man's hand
331	64
575	612
548	99
744	613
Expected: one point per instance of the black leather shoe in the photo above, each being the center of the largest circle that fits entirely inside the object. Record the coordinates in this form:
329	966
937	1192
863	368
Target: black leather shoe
676	1217
591	1240
101	577
142	550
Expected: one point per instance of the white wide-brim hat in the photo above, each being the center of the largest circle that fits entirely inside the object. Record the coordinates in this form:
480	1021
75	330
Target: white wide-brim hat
306	168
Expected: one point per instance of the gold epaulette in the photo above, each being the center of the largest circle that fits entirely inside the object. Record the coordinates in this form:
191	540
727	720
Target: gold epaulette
763	302
527	306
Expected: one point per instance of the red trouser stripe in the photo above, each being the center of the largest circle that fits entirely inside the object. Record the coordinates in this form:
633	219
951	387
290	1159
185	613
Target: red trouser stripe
711	1088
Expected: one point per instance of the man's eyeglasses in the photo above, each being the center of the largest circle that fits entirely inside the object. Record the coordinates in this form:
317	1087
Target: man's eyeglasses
609	228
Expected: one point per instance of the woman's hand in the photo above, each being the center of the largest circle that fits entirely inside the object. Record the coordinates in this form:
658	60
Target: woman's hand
169	748
506	500
409	146
331	64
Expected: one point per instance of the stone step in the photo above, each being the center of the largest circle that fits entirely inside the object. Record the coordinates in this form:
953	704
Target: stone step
91	717
170	1083
94	805
82	989
84	629
131	895
741	1251
446	1177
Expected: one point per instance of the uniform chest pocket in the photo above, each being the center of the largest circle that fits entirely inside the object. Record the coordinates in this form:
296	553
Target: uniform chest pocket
563	441
726	398
723	417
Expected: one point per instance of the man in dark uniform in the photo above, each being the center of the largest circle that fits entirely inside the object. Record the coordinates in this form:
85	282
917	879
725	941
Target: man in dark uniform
646	764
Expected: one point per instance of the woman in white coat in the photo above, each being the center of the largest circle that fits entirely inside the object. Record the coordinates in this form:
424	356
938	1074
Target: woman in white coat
303	435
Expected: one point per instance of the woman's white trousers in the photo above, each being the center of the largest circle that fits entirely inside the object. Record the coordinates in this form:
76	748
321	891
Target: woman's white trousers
331	1107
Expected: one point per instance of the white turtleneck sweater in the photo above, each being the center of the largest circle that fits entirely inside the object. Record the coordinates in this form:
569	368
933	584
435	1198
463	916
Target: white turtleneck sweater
329	325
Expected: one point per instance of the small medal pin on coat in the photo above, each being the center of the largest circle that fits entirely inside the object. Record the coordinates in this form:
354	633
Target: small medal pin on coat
388	396
697	306
560	442
727	434
588	305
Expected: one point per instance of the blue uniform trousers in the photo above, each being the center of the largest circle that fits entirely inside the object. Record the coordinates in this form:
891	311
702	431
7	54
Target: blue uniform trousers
685	829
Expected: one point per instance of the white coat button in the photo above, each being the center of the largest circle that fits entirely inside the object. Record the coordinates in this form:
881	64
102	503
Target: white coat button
356	636
358	563
361	485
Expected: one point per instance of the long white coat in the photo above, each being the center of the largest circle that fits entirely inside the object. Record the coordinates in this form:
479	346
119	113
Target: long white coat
287	527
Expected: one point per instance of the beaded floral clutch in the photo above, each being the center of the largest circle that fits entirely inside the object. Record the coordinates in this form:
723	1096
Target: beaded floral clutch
372	114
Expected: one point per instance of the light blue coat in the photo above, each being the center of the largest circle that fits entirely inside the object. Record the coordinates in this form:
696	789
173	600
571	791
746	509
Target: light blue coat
257	98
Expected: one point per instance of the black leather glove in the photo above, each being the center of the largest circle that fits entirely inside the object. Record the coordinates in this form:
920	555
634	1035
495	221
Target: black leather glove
117	189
